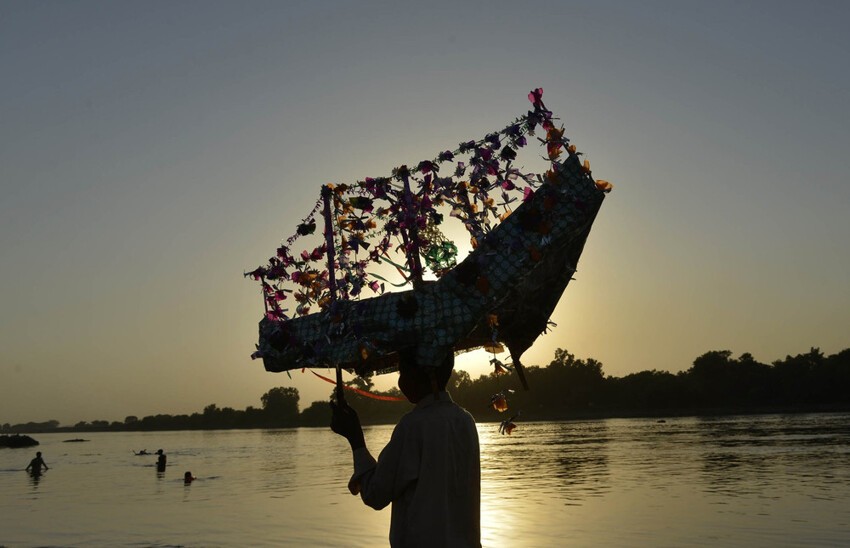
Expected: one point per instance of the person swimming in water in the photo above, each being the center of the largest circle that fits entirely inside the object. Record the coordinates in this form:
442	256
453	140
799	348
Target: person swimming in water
34	467
188	477
160	461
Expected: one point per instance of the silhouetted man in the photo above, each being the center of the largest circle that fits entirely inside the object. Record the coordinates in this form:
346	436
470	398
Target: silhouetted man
429	470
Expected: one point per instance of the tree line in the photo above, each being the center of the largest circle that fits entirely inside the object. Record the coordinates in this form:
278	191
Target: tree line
568	387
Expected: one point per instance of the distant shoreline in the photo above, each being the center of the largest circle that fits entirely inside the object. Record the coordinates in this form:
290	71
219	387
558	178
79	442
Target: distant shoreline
529	417
567	388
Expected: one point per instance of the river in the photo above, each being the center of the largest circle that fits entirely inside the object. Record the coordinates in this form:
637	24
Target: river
755	480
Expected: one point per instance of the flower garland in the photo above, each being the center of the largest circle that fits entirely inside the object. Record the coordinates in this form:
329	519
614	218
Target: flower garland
476	181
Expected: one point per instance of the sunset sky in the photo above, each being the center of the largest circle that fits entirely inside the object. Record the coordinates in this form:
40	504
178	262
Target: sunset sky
152	152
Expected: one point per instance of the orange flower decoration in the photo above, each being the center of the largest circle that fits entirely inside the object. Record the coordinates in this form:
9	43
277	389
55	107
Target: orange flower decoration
604	186
494	348
499	403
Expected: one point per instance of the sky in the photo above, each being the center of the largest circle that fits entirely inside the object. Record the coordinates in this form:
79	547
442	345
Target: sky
153	152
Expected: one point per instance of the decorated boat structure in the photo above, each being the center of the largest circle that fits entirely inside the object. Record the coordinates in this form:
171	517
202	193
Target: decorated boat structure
527	233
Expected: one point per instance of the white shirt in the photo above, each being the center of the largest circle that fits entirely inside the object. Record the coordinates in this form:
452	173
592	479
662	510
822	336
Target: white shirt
431	473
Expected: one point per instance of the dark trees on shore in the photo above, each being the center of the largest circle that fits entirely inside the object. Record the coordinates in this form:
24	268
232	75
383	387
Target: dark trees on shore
568	387
716	383
280	406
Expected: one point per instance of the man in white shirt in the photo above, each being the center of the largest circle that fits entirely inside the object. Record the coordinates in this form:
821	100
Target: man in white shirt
430	469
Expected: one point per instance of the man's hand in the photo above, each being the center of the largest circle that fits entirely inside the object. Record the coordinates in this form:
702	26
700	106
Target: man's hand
346	423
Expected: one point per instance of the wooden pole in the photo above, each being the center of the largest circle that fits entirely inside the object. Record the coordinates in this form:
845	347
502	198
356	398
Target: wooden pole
329	241
327	196
413	230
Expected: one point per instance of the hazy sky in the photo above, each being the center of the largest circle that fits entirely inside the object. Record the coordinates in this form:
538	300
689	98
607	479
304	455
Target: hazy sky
152	152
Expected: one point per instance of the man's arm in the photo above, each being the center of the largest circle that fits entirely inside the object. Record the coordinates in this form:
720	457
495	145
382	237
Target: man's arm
346	423
377	482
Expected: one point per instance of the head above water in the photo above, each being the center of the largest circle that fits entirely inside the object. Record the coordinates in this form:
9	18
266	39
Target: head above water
416	382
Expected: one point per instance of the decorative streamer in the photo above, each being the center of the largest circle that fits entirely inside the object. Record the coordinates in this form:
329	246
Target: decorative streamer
359	391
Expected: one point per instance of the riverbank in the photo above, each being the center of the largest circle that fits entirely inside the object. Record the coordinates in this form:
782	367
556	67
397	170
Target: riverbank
526	415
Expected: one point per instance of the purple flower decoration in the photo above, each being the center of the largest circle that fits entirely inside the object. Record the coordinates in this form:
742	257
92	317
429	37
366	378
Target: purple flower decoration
307	228
508	153
276	272
536	97
257	273
274	315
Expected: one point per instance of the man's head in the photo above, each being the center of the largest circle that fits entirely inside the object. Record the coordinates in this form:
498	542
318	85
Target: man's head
416	382
38	453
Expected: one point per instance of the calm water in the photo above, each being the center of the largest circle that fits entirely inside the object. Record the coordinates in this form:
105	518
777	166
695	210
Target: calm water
740	481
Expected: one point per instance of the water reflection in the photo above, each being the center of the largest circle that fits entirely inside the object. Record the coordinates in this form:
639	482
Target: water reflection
279	453
731	481
567	462
732	474
35	478
743	456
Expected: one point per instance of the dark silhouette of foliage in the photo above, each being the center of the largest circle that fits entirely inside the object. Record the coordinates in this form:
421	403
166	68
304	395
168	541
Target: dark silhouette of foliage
568	387
318	414
280	407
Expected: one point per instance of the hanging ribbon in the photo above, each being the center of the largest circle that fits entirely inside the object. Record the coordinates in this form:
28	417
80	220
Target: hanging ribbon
359	391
